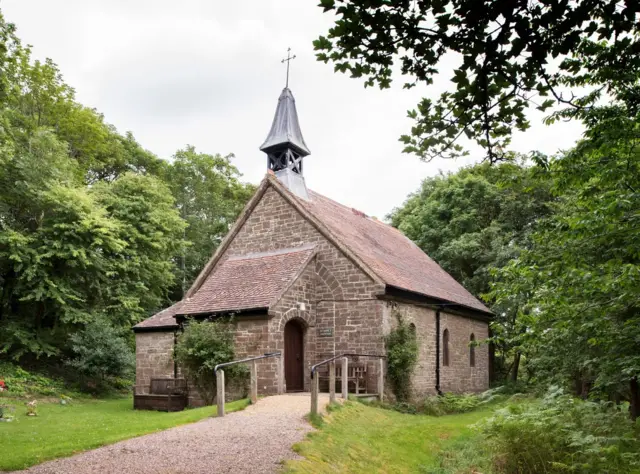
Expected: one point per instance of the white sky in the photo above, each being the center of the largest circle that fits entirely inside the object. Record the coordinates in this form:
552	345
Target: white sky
208	73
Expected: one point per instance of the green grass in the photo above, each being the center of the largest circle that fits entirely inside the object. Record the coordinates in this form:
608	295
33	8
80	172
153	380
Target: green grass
357	438
62	430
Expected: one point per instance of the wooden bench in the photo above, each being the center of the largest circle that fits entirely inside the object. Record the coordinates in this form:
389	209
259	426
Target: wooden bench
165	394
356	377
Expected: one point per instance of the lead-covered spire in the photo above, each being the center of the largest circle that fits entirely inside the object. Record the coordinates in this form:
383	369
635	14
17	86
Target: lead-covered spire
285	129
285	146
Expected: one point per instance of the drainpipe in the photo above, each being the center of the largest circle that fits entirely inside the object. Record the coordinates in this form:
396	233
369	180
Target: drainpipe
438	391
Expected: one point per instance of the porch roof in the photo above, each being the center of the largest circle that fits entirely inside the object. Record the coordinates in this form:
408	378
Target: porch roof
248	281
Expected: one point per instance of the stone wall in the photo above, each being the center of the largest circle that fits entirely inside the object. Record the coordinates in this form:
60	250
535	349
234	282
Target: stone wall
459	376
154	357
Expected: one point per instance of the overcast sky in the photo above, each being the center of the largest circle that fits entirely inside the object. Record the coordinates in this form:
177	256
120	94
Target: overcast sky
208	73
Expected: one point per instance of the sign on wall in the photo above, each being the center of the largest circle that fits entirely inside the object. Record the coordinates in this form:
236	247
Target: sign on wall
325	332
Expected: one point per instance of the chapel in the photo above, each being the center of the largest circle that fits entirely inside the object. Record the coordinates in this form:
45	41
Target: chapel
312	278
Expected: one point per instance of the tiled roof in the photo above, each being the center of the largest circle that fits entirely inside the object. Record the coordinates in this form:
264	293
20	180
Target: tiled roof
248	281
163	319
392	256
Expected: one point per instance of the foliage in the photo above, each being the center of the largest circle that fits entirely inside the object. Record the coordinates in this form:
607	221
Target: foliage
508	56
580	278
209	197
202	346
562	434
20	382
86	425
402	357
101	354
90	222
142	271
449	403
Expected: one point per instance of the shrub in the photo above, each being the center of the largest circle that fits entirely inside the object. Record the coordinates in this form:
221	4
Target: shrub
101	355
20	382
449	403
402	356
201	347
562	434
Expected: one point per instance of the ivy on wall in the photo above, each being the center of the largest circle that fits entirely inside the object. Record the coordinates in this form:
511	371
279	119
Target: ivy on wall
402	355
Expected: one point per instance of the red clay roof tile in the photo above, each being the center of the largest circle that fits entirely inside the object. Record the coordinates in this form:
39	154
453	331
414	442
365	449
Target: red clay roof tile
248	281
163	319
392	256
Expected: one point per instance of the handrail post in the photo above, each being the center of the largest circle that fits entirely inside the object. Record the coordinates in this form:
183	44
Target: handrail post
381	380
345	378
332	382
220	394
254	382
280	365
314	394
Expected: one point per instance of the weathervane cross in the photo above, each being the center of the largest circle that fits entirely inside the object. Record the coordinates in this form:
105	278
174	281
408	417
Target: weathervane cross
288	61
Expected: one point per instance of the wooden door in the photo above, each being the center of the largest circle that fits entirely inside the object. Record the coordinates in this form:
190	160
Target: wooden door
293	357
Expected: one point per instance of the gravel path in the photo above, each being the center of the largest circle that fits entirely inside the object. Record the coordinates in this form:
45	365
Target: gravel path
255	440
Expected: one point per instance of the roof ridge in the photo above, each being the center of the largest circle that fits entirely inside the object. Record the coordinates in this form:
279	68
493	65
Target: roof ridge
272	253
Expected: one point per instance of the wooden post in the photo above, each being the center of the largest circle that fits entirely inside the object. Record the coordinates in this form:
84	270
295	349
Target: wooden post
345	378
332	381
280	364
314	394
381	380
220	394
254	382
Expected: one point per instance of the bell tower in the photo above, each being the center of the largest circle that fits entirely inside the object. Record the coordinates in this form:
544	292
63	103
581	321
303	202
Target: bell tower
284	146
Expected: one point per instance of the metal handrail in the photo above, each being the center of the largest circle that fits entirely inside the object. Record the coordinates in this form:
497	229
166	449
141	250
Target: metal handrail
314	367
266	355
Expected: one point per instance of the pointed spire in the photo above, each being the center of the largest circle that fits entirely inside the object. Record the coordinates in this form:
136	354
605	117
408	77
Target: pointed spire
285	129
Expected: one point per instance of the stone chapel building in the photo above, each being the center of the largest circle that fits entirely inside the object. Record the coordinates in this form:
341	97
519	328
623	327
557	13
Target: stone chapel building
310	277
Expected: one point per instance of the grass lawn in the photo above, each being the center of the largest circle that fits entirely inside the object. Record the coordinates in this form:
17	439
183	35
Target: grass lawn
62	430
356	438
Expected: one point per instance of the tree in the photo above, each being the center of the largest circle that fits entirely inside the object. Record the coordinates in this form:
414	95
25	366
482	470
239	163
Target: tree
509	56
54	239
86	230
69	253
209	197
202	346
142	271
582	273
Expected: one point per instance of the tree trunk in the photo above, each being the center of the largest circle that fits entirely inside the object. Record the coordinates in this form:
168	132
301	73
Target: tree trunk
516	366
634	407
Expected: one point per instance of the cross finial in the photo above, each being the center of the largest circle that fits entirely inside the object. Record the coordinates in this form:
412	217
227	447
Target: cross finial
288	61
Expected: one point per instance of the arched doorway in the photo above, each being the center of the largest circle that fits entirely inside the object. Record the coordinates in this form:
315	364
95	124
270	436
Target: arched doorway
294	356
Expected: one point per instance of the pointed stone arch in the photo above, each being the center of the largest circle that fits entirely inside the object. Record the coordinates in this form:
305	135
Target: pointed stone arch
329	280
